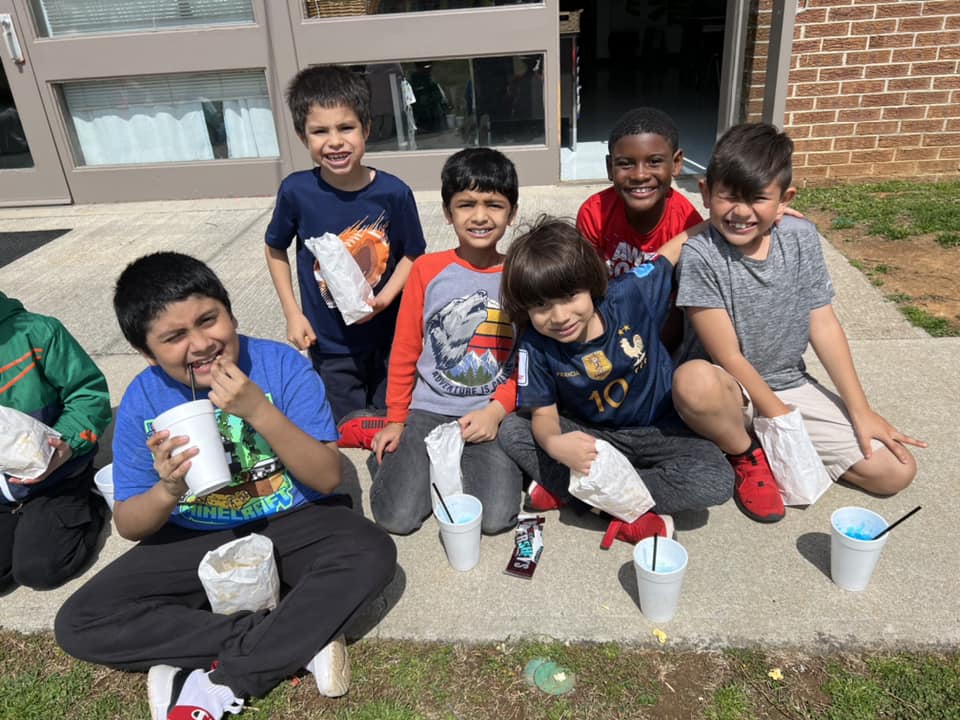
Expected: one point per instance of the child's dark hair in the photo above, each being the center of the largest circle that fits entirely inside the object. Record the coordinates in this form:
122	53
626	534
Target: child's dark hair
152	282
643	120
481	169
549	260
327	86
749	157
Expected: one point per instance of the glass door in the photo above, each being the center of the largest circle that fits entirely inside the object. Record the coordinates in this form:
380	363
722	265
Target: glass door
444	75
30	169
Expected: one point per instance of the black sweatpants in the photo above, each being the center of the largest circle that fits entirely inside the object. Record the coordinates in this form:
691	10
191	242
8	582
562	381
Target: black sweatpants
49	538
682	470
148	606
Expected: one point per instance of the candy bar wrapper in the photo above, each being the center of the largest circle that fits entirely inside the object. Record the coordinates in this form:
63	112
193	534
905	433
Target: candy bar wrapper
528	539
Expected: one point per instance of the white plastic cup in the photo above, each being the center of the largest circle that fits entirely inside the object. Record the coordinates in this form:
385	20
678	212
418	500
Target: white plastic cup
209	470
659	591
461	538
853	558
104	482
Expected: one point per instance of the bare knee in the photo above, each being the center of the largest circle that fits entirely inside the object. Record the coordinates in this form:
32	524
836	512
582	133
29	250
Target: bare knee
883	473
695	383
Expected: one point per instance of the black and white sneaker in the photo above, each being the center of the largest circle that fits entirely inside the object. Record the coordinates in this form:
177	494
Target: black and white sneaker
182	694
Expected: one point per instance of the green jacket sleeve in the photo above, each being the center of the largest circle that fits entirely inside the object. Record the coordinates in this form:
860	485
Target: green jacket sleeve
82	387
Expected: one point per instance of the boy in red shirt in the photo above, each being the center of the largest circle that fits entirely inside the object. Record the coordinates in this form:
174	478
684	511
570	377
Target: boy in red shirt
629	222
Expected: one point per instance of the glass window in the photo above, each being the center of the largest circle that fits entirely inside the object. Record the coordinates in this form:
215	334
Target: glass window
171	118
55	18
434	104
14	152
339	8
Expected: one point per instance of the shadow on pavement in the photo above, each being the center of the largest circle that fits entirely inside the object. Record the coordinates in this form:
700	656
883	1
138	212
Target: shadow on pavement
815	547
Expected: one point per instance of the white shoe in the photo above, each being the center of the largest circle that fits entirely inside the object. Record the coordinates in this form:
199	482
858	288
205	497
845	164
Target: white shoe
178	692
331	668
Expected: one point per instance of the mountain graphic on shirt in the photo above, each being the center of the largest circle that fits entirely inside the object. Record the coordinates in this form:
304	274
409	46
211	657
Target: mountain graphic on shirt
471	339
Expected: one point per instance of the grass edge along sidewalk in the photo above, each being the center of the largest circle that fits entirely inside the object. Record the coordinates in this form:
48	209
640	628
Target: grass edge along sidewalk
395	680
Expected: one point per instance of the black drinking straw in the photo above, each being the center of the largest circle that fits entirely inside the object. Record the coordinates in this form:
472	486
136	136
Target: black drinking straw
891	526
653	567
445	508
193	382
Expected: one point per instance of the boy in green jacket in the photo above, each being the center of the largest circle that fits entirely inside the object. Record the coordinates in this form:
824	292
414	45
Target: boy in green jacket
49	524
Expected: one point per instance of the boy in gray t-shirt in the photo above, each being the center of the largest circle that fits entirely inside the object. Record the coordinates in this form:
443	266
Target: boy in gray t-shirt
756	291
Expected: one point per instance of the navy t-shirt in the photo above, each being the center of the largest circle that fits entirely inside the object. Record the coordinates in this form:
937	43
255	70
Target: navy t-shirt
621	379
379	224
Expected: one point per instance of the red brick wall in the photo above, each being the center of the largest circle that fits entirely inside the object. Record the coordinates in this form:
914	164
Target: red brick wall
874	88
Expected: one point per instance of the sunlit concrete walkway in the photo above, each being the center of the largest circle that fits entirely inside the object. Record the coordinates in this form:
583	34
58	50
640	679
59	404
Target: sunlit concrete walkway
747	583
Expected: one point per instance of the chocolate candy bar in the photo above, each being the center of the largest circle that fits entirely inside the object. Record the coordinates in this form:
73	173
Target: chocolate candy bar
528	544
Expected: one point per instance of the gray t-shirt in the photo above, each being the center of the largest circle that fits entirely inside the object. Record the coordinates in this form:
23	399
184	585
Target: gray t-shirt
768	301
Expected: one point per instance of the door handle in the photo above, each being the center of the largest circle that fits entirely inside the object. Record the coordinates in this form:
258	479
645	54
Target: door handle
10	39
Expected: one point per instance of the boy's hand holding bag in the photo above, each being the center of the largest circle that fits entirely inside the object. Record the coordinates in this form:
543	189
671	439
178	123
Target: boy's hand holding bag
25	451
793	459
343	277
613	485
445	447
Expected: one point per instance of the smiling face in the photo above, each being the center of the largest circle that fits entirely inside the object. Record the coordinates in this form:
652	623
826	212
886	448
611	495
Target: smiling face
745	224
641	168
569	319
479	219
336	140
192	333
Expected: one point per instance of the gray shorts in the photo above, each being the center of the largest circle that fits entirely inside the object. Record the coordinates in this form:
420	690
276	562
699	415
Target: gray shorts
827	422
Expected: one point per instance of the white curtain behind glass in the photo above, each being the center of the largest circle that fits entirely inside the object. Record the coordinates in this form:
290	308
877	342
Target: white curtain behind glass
143	134
250	128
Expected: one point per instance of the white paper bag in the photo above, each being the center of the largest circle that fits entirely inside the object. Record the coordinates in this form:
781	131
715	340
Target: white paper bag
25	449
241	575
613	485
344	278
793	459
445	447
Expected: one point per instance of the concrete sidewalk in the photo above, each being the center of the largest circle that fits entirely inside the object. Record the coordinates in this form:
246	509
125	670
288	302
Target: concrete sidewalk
746	584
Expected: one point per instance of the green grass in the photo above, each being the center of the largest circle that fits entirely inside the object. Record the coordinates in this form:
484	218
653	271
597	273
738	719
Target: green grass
893	210
730	702
934	326
948	240
395	680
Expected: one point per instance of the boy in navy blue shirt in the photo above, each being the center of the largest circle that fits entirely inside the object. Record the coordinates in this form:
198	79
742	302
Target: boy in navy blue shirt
375	215
591	366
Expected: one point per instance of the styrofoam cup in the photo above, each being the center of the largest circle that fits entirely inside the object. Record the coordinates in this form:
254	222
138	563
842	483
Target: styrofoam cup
209	470
659	591
853	559
461	538
104	482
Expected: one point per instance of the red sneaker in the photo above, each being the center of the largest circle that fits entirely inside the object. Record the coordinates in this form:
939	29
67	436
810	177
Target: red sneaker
540	499
755	490
358	429
647	525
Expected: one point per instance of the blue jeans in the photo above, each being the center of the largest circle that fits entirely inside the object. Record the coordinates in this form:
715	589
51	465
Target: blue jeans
401	495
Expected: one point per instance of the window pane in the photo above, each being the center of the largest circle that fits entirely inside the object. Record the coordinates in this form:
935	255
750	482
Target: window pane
339	8
171	118
456	103
55	18
14	152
